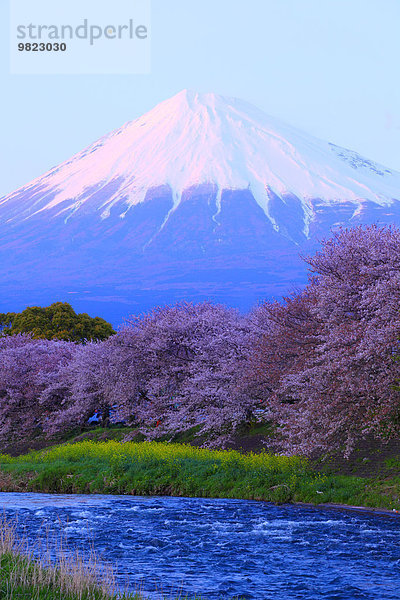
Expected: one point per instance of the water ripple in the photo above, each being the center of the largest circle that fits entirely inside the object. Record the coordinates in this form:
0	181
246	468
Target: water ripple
224	548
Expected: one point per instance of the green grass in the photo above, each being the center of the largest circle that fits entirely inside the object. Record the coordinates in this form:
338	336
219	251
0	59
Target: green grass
100	434
153	468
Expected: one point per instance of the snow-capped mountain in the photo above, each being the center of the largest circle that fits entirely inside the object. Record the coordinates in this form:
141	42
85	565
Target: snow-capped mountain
203	195
193	139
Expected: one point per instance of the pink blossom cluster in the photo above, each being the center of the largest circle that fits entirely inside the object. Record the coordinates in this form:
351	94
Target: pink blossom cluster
327	360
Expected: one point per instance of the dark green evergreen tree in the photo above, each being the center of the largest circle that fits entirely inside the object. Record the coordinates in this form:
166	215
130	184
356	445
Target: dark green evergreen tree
58	321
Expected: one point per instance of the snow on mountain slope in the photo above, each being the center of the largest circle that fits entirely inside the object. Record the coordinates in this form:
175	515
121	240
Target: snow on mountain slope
194	139
202	197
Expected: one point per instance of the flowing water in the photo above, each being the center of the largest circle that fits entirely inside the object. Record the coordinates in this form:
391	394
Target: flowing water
224	548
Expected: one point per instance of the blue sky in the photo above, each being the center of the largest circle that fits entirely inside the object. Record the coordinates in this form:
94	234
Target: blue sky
330	67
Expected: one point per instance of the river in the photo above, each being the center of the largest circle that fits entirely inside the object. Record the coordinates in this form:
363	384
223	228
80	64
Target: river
224	548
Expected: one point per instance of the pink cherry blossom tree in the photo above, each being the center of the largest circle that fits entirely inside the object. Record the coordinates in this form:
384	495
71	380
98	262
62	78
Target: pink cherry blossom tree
328	355
172	369
27	368
195	356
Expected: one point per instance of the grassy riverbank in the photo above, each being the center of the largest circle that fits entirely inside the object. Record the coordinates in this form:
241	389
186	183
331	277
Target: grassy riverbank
181	470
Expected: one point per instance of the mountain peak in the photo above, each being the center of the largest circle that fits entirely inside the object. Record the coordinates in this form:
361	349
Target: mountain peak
193	98
197	138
